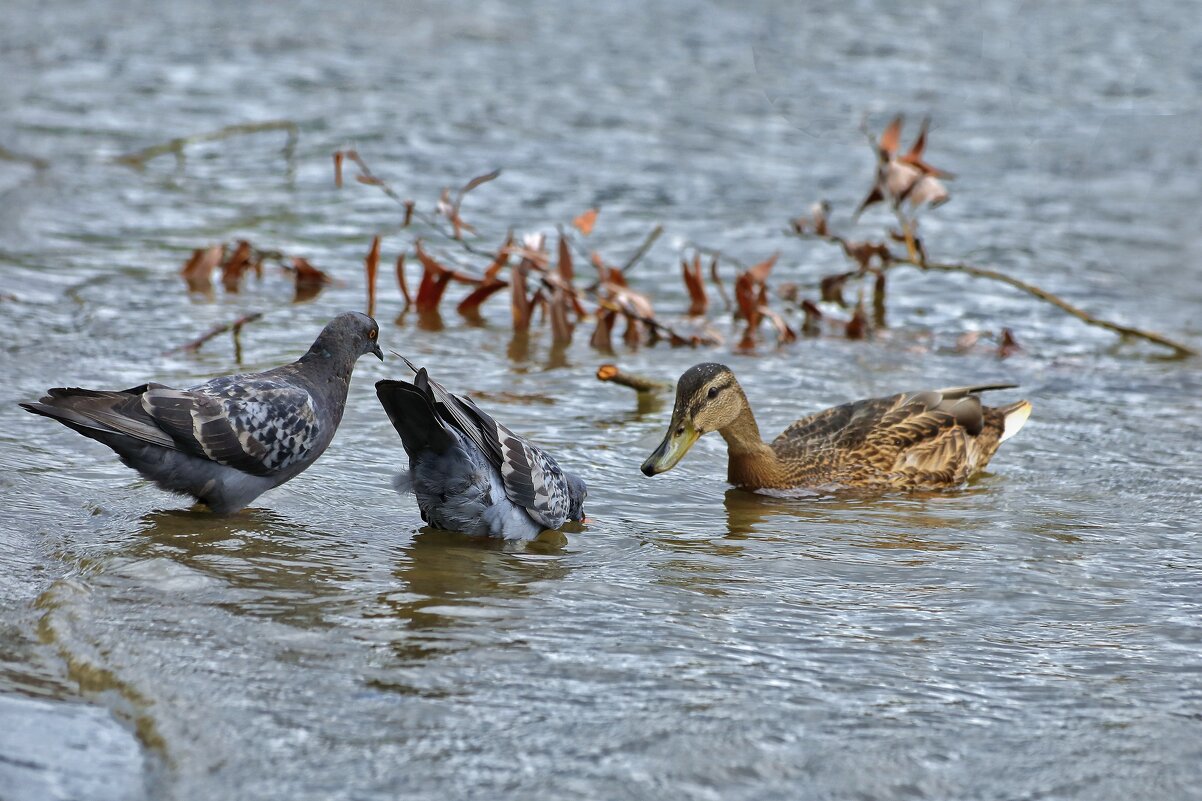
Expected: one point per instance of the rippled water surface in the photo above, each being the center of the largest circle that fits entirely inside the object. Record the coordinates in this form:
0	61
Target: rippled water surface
1035	635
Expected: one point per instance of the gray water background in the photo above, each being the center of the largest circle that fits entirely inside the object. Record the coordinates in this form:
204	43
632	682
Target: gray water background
1036	635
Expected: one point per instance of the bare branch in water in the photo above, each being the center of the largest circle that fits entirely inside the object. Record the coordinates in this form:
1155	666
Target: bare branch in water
917	258
235	326
21	158
643	248
179	144
1179	350
614	374
401	282
372	265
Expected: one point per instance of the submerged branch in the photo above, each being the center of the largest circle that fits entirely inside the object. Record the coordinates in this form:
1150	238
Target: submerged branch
643	248
235	326
1179	350
22	158
178	144
614	374
919	261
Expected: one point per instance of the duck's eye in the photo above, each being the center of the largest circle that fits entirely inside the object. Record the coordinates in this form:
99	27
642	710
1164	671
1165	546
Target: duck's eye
713	393
680	431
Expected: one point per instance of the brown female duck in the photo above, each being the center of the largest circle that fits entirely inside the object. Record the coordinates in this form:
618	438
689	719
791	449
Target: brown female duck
914	440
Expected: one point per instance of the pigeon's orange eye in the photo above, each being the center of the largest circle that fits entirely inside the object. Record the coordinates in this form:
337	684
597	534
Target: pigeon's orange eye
371	334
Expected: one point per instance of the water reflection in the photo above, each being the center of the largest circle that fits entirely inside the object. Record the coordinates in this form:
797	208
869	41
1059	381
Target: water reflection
444	572
519	347
256	562
873	521
646	405
450	584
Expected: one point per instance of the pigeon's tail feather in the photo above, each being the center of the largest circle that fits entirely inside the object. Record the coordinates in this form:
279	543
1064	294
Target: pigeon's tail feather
410	407
101	415
116	419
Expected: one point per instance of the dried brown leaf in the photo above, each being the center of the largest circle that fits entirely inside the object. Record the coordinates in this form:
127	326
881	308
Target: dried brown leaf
520	302
401	282
633	335
308	275
694	282
759	272
1009	345
857	326
717	279
891	137
878	300
812	326
198	270
565	260
470	305
236	266
372	265
784	333
561	327
585	222
602	335
831	288
434	281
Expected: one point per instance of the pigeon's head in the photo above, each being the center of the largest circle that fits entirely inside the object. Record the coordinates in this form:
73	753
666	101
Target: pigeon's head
352	333
577	492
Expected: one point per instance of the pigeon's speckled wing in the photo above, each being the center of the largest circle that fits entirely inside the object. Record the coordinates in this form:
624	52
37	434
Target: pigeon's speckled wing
532	479
258	425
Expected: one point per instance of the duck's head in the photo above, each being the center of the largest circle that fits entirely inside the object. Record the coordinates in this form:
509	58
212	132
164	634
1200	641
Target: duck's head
708	398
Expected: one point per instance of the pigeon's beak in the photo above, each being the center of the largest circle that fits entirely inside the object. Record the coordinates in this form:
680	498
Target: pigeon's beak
376	350
675	445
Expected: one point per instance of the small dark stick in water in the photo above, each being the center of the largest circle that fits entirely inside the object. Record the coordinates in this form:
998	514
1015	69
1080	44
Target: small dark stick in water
613	374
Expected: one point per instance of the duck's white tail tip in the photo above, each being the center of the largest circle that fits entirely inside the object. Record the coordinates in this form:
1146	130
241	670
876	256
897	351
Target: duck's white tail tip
1016	416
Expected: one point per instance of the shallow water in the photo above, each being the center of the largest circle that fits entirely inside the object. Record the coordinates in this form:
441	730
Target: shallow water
1034	635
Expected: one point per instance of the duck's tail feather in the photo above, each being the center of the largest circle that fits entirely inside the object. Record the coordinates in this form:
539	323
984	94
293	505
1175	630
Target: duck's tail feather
1015	415
951	393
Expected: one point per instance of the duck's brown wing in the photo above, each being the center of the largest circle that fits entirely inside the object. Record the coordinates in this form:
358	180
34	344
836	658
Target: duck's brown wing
928	438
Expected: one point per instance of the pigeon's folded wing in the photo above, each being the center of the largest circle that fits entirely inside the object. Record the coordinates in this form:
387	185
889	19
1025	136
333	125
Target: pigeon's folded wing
532	479
259	427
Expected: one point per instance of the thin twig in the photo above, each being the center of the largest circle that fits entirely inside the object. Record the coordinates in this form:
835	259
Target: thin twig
643	248
178	144
21	158
234	326
918	262
1179	350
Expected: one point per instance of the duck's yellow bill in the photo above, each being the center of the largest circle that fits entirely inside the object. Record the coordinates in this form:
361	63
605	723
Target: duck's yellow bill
671	450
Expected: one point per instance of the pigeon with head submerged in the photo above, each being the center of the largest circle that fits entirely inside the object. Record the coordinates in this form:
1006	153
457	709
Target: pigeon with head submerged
470	473
227	441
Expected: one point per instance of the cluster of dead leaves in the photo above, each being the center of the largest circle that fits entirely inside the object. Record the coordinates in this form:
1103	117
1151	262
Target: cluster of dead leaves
905	178
232	262
541	286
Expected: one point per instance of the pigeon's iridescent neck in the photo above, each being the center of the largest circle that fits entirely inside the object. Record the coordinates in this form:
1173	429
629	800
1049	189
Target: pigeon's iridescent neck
327	370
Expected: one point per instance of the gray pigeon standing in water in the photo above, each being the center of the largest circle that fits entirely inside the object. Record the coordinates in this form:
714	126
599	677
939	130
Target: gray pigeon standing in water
229	440
470	473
